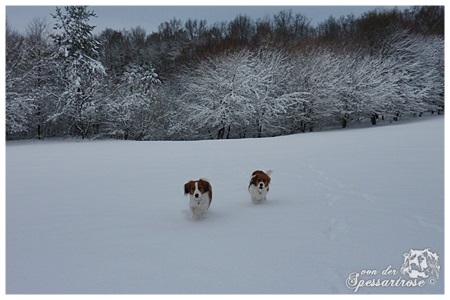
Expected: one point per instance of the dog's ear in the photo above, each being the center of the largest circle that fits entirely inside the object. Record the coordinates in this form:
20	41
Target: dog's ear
253	180
187	187
206	185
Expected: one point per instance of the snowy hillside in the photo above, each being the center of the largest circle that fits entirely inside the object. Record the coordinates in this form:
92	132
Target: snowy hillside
111	217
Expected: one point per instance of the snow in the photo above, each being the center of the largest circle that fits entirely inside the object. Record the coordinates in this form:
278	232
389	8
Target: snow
110	216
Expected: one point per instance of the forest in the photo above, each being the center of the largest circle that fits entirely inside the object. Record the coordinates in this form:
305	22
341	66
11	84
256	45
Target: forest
242	78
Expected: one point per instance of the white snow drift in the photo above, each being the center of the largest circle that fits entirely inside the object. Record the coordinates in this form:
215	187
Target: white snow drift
111	217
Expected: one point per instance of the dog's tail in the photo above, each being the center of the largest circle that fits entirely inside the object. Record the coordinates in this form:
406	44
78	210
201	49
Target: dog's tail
269	172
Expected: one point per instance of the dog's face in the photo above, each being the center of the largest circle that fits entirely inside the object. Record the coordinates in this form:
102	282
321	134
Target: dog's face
420	263
260	179
196	188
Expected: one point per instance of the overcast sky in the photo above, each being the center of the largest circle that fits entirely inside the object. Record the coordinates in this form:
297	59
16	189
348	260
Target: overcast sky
149	17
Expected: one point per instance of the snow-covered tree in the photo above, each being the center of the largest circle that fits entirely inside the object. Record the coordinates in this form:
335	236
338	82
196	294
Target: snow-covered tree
433	55
30	87
133	113
417	63
232	93
371	87
270	98
19	105
405	77
316	80
216	94
42	82
73	33
81	73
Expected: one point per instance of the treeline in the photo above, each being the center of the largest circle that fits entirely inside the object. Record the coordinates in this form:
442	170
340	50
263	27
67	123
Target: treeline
177	44
237	79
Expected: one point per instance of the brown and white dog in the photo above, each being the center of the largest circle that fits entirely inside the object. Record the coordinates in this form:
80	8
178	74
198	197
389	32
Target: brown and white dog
200	194
259	186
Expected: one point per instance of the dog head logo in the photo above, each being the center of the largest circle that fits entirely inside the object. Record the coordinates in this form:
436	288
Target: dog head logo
420	264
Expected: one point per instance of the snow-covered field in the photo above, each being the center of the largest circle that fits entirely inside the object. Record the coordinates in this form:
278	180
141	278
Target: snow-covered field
110	216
